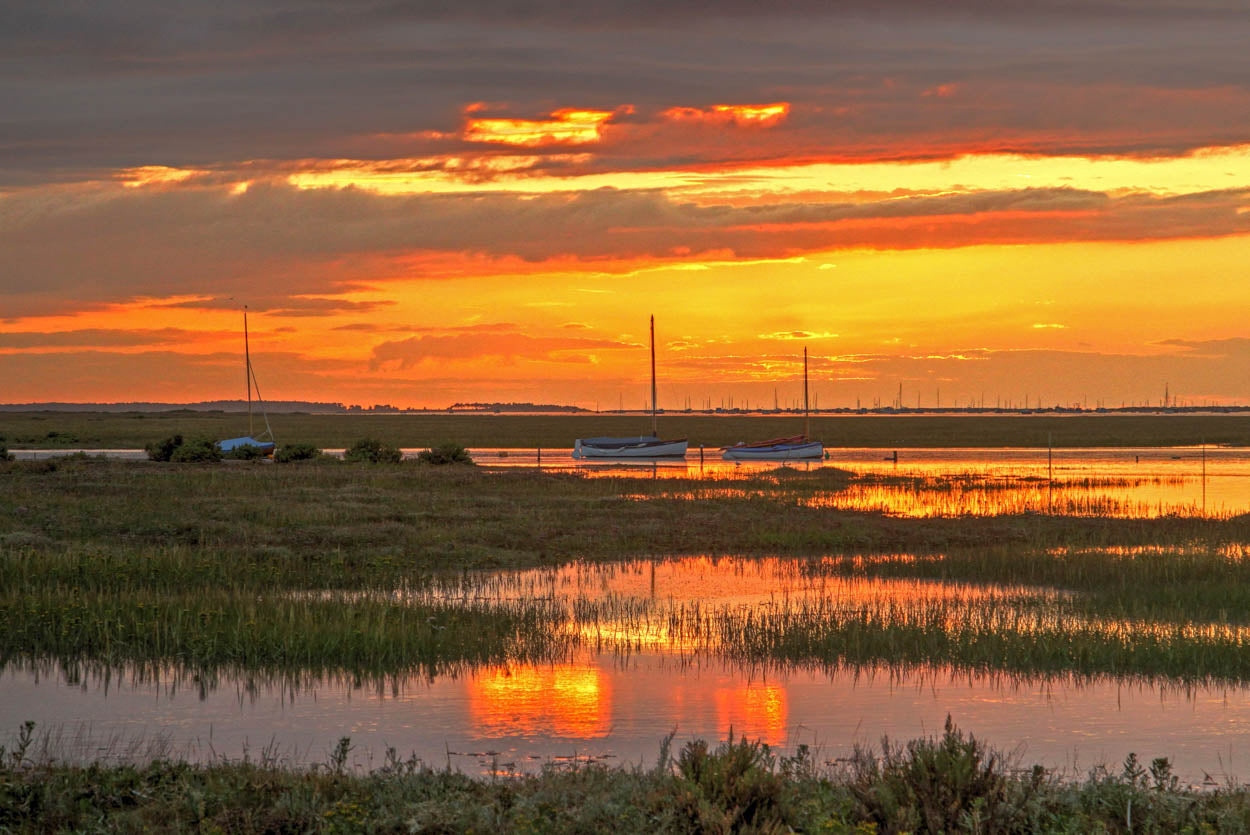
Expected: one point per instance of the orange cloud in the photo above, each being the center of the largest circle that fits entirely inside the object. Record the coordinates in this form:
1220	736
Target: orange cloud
942	91
565	127
765	115
487	342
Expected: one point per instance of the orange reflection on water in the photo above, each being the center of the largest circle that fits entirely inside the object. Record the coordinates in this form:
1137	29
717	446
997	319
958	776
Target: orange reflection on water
757	710
566	700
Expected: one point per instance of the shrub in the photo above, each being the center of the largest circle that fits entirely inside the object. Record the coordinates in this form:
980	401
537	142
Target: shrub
372	451
735	788
933	785
445	454
197	451
163	450
287	453
5	455
246	452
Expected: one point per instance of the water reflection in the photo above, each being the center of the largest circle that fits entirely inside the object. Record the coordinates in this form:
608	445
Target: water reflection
967	493
613	711
573	701
1128	482
661	651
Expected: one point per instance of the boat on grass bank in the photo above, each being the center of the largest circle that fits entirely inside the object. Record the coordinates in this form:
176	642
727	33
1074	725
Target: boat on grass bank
266	447
231	444
794	448
643	446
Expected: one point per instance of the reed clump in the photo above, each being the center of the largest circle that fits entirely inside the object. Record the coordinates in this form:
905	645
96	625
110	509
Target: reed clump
208	631
449	453
288	453
372	451
952	783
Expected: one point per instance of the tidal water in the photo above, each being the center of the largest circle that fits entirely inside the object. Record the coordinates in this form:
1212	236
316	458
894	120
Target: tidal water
636	677
1129	482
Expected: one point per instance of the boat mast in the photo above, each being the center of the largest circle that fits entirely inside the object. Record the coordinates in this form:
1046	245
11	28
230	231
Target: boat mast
807	420
654	430
247	363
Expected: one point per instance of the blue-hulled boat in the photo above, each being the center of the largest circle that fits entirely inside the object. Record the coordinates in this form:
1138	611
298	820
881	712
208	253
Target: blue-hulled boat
266	446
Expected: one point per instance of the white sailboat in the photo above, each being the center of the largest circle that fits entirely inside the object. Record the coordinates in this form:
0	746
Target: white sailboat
643	446
795	448
251	439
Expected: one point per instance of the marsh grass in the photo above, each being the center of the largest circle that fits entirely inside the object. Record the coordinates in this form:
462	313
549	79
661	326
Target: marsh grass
207	631
212	568
955	494
944	784
1170	580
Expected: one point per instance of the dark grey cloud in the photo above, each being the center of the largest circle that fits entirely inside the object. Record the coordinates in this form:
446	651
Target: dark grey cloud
1238	346
497	344
282	304
289	250
103	338
91	86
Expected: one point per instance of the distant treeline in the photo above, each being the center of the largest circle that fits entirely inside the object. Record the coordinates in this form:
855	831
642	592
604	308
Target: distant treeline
203	406
512	407
313	407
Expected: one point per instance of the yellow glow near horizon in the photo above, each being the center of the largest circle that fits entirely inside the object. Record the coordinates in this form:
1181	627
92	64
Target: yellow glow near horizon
1209	170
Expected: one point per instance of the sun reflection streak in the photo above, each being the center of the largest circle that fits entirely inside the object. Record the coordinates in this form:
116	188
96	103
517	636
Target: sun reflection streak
565	700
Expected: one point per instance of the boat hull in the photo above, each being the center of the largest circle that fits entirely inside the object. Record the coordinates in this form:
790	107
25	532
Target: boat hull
629	448
780	452
231	444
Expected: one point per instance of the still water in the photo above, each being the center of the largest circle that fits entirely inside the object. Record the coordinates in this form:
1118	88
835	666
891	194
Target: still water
636	678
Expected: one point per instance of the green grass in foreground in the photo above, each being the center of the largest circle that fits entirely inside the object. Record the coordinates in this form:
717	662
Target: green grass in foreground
949	784
96	430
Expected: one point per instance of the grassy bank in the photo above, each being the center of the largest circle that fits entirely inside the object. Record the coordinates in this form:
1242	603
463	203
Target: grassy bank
947	784
335	525
110	430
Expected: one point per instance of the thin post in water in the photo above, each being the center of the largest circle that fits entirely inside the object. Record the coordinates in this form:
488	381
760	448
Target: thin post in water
807	418
1050	469
247	363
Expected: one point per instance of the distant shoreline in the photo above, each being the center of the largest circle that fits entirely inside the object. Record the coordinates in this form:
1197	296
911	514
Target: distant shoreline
132	430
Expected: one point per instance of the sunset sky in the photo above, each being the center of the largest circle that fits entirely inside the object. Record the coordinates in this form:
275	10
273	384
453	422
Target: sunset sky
436	202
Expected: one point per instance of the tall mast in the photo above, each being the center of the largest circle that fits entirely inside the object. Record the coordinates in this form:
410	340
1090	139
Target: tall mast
247	362
807	420
654	430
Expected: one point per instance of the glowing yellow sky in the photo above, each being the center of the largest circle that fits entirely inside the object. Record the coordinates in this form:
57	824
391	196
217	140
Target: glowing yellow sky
1207	170
951	275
